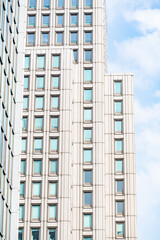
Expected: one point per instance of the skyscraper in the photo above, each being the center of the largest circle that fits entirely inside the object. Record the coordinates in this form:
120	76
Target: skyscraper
77	153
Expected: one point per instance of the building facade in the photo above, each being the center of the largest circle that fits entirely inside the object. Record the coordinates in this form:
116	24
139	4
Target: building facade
77	170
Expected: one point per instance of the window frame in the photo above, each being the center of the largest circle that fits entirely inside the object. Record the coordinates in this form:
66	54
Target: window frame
45	14
31	15
71	24
88	101
38	130
36	219
121	235
46	7
53	173
88	228
117	94
115	121
85	51
52	219
38	151
40	76
88	205
45	43
116	207
33	162
76	42
40	55
54	129
58	108
88	162
57	15
59	67
39	109
59	78
56	35
86	140
52	195
88	24
54	151
36	196
122	192
86	42
33	43
37	228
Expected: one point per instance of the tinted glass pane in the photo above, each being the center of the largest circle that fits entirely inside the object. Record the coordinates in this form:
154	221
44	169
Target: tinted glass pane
40	61
56	61
88	37
23	144
39	102
52	234
87	238
74	3
88	177
87	155
20	234
38	123
22	189
52	189
25	102
75	54
87	198
31	20
118	107
120	227
54	123
88	95
119	186
31	37
36	212
23	166
60	19
52	212
54	145
118	87
45	38
37	167
88	3
27	62
60	3
120	207
45	20
26	82
36	189
38	144
74	37
24	124
119	145
74	19
60	38
55	82
119	166
88	221
88	19
88	75
88	55
32	3
118	126
88	114
40	83
55	102
35	234
21	208
88	135
53	166
46	3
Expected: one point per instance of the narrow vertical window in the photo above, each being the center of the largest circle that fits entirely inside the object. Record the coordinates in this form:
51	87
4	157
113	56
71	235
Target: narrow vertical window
36	212
27	62
87	221
120	229
87	155
35	234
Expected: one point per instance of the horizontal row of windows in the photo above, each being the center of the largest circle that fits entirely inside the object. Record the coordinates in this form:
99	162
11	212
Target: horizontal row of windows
59	3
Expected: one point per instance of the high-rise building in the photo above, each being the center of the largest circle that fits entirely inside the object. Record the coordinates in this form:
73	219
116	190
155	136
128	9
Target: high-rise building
11	57
77	153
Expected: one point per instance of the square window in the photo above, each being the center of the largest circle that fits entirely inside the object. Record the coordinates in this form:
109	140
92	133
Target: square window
25	103
87	155
88	37
45	20
88	3
87	177
88	114
38	123
36	189
120	229
87	199
54	123
32	3
60	19
31	38
37	167
31	20
53	167
24	123
75	55
39	103
45	38
118	87
54	145
56	61
52	234
74	37
74	3
120	208
118	146
40	82
55	82
20	234
55	103
119	166
27	62
74	19
59	38
118	107
88	75
26	82
88	95
36	212
119	186
24	145
88	56
22	189
88	19
35	234
52	189
46	3
21	212
87	221
52	212
118	126
88	135
41	62
60	3
23	167
38	145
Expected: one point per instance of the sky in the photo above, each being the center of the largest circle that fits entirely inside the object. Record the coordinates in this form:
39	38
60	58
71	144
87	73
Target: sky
133	28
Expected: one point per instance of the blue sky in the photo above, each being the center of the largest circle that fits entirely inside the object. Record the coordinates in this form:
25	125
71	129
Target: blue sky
134	46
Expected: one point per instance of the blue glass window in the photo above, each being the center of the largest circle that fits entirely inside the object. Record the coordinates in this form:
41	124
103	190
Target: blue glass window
36	189
40	82
46	3
26	82
88	155
87	177
52	189
118	125
60	19
88	198
39	123
118	107
39	103
88	19
74	19
88	95
32	3
88	3
24	145
23	167
45	38
22	189
87	221
59	38
31	38
53	167
120	208
88	75
88	37
31	20
118	87
54	144
88	135
36	212
41	62
55	82
88	55
21	208
46	20
52	234
87	115
119	186
27	62
75	55
119	166
52	212
24	123
119	145
54	123
60	3
87	238
37	167
56	61
74	37
55	102
20	234
38	145
120	229
74	3
35	234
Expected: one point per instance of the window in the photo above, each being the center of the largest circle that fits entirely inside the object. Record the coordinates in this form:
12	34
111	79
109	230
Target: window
88	19
45	20
74	19
24	145
21	212
88	135
23	167
38	145
87	155
119	166
119	186
45	38
36	212
60	3
87	199
22	189
25	103
53	167
26	82
41	62
55	82
54	123
88	114
24	123
32	3
31	20
20	234
119	146
74	3
118	87
88	3
87	238
54	145
27	62
55	103
46	3
118	107
56	61
88	75
88	37
88	177
38	123
75	55
59	38
31	38
74	37
52	212
87	221
52	234
52	189
88	95
88	56
36	189
60	19
37	167
120	229
35	234
39	103
120	208
40	82
118	126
